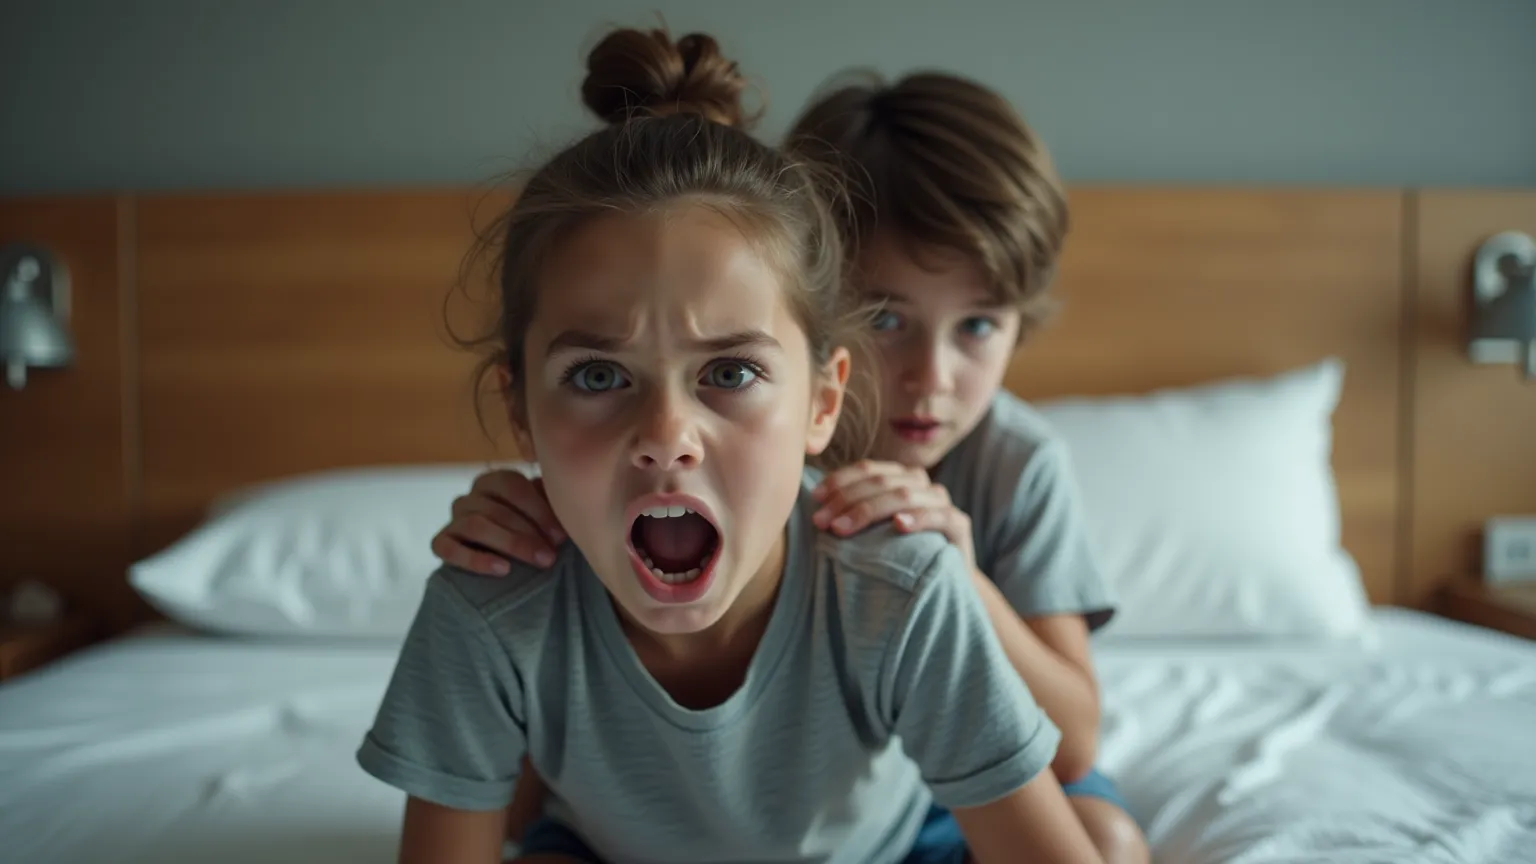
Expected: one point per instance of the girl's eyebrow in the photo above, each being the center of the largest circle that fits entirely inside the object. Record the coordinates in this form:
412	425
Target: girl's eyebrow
583	340
734	341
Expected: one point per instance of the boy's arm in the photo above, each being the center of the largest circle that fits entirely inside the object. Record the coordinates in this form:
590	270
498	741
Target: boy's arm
966	718
1051	654
1045	593
1037	817
434	834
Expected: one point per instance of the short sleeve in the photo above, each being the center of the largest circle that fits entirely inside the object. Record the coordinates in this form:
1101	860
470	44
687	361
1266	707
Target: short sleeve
1041	555
961	710
450	729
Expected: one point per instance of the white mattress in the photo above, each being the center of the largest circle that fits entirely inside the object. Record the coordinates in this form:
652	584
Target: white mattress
172	748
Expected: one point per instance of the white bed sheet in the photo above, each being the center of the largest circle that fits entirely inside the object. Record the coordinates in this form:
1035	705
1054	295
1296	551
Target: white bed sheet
1418	750
175	749
172	748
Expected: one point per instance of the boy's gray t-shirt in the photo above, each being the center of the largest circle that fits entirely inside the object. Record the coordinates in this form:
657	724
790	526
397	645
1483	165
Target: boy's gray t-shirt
1014	478
878	688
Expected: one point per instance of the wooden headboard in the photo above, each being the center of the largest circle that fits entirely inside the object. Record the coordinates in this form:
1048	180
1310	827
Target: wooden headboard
283	334
227	339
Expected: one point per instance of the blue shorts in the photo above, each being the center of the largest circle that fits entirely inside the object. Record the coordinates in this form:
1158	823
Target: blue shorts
938	841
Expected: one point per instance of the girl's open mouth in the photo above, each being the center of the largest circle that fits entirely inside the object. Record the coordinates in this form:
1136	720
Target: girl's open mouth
673	547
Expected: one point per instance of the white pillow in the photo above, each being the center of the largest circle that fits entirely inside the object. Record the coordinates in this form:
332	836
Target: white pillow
1213	509
333	554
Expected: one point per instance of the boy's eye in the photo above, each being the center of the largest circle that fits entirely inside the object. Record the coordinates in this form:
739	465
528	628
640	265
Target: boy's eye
598	377
729	375
978	327
885	321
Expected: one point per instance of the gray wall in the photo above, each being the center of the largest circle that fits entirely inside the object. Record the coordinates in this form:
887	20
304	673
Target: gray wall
175	94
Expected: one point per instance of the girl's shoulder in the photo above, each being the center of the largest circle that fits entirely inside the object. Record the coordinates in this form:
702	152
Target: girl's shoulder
882	560
895	607
878	582
880	563
518	607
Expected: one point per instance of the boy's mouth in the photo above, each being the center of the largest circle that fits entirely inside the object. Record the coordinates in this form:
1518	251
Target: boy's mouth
673	545
916	429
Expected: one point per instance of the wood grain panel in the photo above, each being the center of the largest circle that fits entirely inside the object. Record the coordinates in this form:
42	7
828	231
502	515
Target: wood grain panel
1172	287
65	513
284	333
290	333
1474	427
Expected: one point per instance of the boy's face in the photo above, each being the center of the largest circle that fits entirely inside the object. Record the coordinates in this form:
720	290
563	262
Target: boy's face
945	344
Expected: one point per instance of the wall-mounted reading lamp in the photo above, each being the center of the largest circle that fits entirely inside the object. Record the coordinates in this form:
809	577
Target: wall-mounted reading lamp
1504	302
34	312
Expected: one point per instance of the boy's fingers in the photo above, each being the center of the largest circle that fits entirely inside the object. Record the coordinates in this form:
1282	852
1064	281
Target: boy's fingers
531	502
532	550
456	554
497	482
512	534
513	491
855	473
878	508
946	520
509	518
522	541
924	519
843	499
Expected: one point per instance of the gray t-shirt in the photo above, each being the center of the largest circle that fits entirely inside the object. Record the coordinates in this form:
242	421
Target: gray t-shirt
878	688
1014	478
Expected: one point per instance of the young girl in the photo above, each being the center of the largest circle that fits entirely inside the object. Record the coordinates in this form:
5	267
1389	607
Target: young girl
700	675
956	220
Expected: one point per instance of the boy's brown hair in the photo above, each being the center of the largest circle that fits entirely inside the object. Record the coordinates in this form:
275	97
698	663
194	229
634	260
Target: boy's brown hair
944	163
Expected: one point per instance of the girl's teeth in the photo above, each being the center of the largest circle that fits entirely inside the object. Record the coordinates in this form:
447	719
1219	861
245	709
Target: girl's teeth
669	578
665	512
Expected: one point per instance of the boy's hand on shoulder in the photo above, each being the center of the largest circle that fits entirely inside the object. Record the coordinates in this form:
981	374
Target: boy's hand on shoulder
505	516
870	491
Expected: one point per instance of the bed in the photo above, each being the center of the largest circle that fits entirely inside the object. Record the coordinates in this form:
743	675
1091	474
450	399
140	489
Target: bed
169	746
1415	749
1275	689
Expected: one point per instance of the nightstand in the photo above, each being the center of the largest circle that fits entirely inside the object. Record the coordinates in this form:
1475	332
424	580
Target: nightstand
1510	607
24	647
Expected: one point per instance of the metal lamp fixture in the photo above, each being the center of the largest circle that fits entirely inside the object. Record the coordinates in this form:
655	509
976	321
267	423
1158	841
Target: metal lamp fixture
34	313
1504	302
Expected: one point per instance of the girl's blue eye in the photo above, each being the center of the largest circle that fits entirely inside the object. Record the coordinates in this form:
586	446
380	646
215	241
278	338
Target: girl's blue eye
729	375
886	321
978	328
598	377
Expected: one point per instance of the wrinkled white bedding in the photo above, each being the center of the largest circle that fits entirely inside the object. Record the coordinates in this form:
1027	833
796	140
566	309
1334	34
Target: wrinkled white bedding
171	748
1421	749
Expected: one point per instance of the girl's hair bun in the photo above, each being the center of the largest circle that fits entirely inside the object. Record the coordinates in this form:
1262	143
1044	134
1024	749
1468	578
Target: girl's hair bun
644	72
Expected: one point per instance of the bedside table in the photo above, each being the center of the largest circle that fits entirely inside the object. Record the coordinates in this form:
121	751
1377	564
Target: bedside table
1510	607
24	647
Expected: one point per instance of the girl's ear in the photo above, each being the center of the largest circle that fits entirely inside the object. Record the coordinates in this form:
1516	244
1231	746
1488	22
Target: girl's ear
517	414
827	391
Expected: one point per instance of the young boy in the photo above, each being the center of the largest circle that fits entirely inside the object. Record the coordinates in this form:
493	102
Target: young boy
955	219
